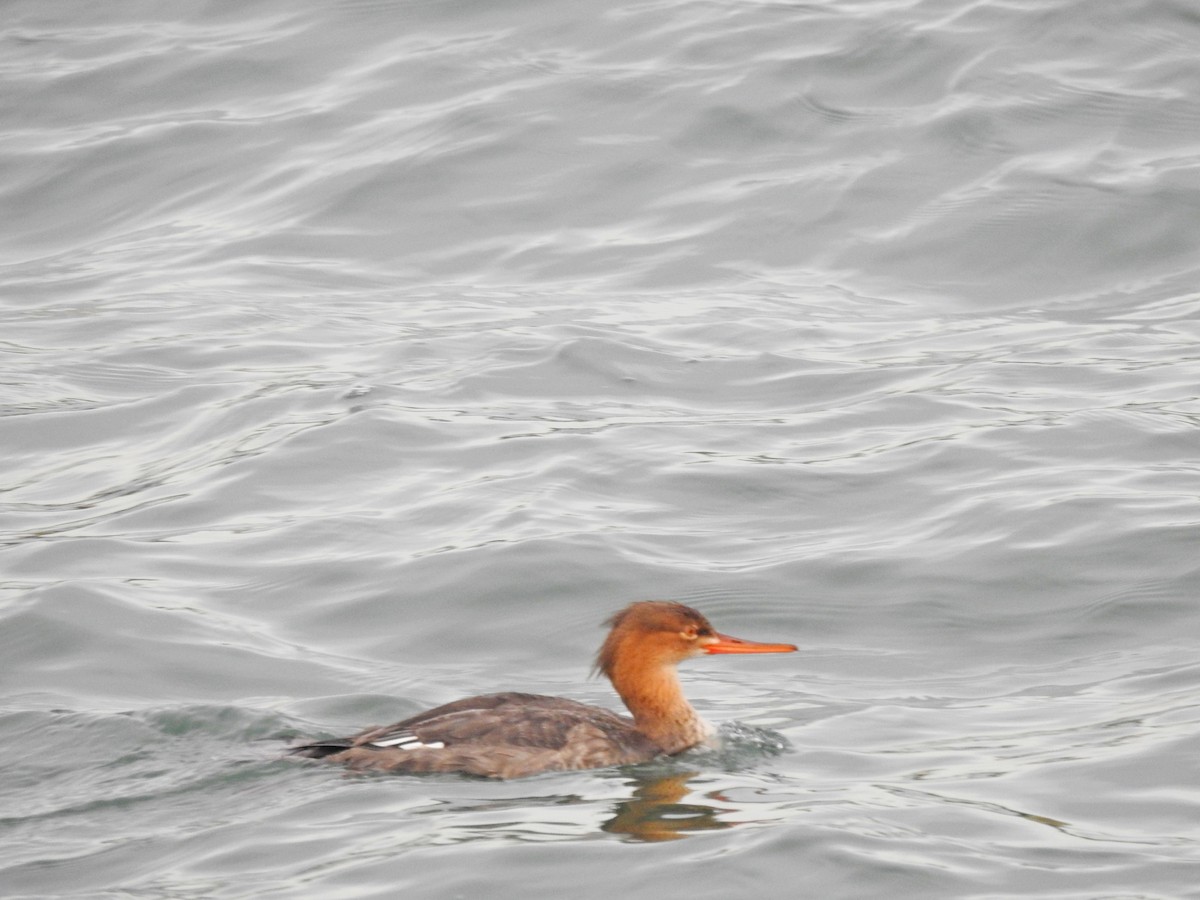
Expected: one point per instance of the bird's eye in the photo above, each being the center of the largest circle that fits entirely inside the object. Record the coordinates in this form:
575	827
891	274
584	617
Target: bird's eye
689	634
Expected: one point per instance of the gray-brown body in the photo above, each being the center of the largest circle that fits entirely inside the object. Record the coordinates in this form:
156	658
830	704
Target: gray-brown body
508	735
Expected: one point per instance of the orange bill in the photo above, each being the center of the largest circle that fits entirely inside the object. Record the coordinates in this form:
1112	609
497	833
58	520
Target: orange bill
727	644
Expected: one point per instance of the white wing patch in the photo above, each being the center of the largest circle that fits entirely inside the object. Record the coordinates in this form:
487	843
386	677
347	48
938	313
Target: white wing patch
405	740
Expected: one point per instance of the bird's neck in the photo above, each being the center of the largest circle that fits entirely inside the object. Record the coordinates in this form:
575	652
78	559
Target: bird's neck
660	711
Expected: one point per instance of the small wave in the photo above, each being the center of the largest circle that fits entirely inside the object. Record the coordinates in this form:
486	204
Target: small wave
739	746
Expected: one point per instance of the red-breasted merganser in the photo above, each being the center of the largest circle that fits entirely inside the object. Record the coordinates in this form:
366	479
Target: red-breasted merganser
513	735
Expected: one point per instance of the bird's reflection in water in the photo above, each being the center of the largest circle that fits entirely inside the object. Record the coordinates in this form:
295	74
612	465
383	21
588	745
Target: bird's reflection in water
654	812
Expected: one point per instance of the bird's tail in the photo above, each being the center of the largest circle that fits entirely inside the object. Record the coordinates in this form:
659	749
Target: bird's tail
321	749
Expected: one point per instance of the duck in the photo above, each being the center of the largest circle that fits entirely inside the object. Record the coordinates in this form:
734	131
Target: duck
515	735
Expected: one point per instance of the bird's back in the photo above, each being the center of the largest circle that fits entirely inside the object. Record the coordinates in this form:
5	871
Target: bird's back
507	735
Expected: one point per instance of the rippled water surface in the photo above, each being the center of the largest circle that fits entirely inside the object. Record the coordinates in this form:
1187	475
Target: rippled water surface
356	357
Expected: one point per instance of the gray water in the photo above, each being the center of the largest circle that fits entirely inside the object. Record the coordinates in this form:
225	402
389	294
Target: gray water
361	356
